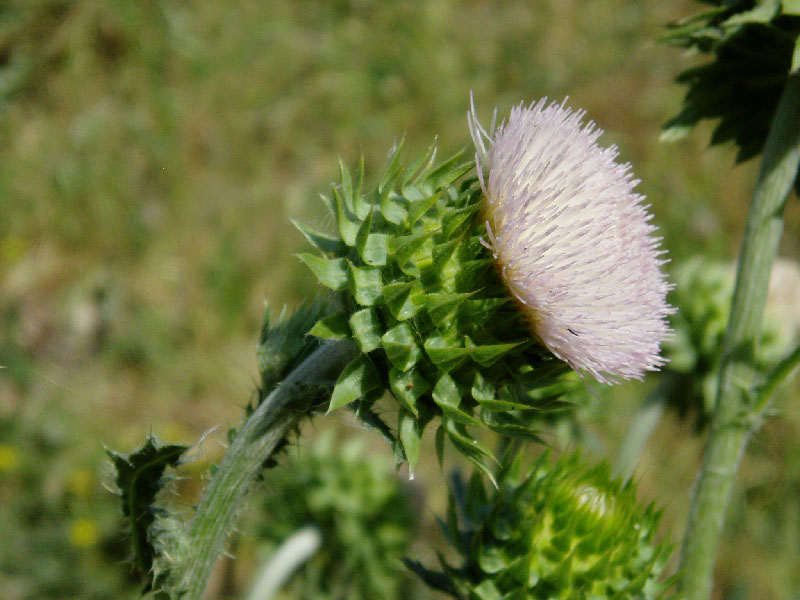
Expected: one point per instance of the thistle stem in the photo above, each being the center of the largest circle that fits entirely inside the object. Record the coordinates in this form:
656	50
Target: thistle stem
735	415
244	460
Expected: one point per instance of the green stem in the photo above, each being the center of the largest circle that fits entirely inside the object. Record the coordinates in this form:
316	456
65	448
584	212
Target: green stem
778	375
733	418
244	460
641	428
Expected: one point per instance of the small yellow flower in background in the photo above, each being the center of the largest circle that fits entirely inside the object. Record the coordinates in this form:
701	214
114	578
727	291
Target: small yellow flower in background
83	533
9	458
572	240
81	483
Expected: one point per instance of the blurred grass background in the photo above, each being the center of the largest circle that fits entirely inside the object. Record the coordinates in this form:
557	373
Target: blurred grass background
151	154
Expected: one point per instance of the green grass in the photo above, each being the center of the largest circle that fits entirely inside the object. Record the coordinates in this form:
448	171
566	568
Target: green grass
152	152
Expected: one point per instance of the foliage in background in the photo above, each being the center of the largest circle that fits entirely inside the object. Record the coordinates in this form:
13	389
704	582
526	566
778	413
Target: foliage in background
363	512
61	535
552	529
703	291
754	45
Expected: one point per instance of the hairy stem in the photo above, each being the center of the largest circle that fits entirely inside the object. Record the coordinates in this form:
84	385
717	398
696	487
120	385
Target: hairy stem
734	416
244	460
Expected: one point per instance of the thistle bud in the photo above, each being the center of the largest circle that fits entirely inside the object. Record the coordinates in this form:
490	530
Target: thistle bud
557	531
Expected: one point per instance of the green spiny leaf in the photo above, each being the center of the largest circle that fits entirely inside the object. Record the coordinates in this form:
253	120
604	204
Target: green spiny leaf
407	387
347	222
404	248
410	436
488	354
419	204
472	271
442	306
457	222
366	328
330	272
372	247
392	171
325	243
333	327
366	284
357	379
351	191
399	298
391	209
419	166
441	254
446	392
442	354
476	452
140	475
510	426
482	310
449	171
401	347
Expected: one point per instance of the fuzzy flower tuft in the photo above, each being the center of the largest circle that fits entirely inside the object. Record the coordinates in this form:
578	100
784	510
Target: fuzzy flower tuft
572	240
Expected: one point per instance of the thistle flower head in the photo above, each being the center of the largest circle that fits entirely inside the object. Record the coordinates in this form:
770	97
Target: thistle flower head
572	240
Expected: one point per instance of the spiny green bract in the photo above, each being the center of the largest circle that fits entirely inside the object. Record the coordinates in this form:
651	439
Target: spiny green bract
551	532
422	299
754	48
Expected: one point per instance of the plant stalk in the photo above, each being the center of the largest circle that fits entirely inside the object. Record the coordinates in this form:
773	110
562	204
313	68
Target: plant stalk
734	416
244	460
641	428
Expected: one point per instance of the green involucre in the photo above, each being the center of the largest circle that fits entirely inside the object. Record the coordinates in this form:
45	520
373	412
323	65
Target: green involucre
420	296
550	531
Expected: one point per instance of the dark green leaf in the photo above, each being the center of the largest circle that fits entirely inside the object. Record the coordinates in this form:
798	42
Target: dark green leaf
139	477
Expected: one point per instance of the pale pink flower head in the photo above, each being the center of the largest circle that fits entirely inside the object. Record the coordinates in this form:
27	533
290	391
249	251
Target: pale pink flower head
572	240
